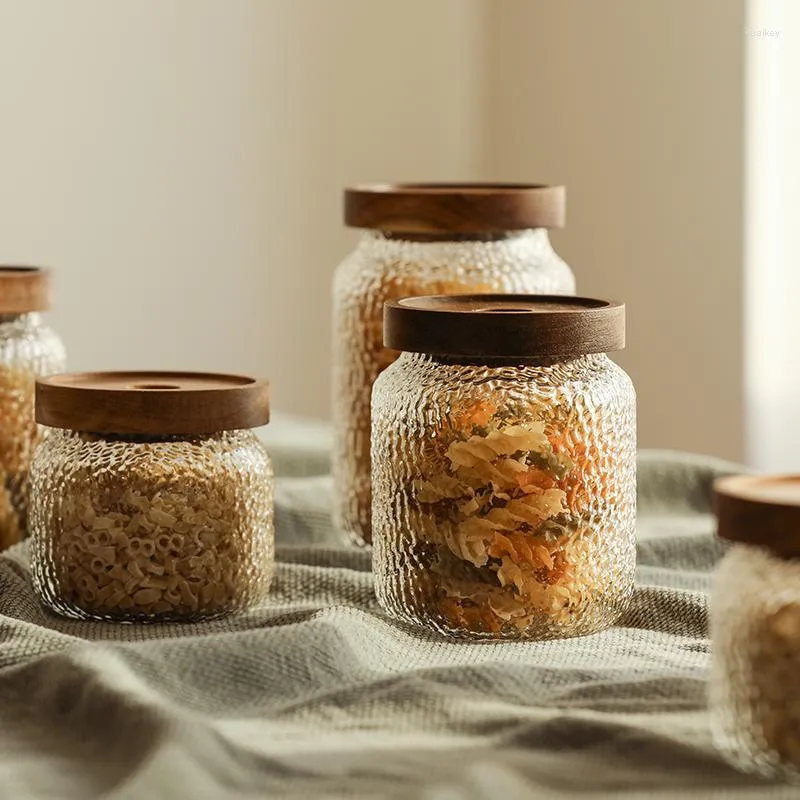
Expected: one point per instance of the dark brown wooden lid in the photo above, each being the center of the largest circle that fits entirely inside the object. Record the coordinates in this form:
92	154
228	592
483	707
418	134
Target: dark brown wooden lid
24	289
504	325
761	510
151	402
454	208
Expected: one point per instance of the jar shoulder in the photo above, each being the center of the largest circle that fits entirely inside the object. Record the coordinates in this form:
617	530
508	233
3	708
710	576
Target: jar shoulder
64	449
525	263
412	374
32	345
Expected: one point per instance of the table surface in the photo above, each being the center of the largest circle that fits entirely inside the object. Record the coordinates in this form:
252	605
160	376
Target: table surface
318	694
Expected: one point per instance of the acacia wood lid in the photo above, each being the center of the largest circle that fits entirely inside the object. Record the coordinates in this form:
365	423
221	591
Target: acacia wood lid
761	510
504	325
152	403
454	208
24	289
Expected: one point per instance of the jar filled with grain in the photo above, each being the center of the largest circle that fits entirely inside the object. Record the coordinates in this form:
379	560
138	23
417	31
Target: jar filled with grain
28	349
504	466
151	497
423	239
755	625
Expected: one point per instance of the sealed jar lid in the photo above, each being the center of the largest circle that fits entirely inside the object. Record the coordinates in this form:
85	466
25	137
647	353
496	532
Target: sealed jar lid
151	403
762	510
24	289
504	325
454	208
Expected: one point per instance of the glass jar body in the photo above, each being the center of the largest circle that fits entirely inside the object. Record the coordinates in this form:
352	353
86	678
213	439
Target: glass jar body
504	496
151	528
755	635
383	268
28	350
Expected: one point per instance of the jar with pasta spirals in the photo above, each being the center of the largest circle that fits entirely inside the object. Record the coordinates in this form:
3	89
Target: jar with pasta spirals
424	239
28	349
151	497
754	699
504	466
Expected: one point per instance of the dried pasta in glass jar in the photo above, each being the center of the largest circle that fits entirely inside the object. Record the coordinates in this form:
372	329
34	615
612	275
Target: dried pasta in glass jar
504	466
755	626
424	239
151	498
28	349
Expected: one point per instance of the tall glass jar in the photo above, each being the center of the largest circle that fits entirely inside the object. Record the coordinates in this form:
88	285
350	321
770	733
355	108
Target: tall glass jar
151	498
28	349
424	239
755	626
504	466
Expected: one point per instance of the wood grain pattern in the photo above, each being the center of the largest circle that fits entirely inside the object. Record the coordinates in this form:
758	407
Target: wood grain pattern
24	289
761	510
152	403
504	326
454	208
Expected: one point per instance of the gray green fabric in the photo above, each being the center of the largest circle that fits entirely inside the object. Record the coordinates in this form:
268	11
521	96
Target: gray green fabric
319	694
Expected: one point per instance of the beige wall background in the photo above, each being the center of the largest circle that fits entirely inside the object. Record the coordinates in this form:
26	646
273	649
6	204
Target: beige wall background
179	162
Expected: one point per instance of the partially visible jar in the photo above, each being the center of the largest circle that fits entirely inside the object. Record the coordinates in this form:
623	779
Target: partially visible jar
754	693
423	239
28	349
151	498
504	467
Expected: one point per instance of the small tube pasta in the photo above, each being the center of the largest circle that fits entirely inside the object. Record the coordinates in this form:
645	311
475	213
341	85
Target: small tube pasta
128	544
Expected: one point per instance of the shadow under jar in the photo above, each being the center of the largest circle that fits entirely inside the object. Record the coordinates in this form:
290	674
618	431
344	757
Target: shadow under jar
424	239
504	467
28	349
151	498
754	697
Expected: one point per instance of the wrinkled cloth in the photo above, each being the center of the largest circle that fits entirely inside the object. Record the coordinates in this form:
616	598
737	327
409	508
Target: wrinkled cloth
318	693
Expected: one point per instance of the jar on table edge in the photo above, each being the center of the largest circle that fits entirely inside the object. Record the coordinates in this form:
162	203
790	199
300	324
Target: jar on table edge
504	466
424	239
151	497
28	349
754	697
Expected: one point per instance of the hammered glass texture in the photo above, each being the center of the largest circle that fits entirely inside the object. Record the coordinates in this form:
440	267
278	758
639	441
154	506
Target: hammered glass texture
151	529
384	268
28	350
754	697
504	497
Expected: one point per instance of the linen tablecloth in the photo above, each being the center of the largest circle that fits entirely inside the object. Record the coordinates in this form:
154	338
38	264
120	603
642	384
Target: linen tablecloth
318	694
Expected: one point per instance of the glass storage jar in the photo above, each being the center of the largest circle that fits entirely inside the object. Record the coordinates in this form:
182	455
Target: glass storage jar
504	466
28	349
424	239
754	693
151	498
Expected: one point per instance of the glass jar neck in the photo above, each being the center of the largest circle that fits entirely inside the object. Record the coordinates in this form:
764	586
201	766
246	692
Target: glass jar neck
402	238
28	318
483	361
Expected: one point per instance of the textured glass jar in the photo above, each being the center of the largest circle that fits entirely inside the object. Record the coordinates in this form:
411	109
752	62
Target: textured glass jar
424	240
504	473
754	693
138	522
28	349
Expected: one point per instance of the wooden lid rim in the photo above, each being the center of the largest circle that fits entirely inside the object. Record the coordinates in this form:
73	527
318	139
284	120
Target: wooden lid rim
748	512
152	403
454	208
504	326
24	289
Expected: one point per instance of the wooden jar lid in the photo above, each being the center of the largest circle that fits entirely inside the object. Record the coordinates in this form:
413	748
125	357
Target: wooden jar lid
151	403
24	289
504	325
762	510
454	208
